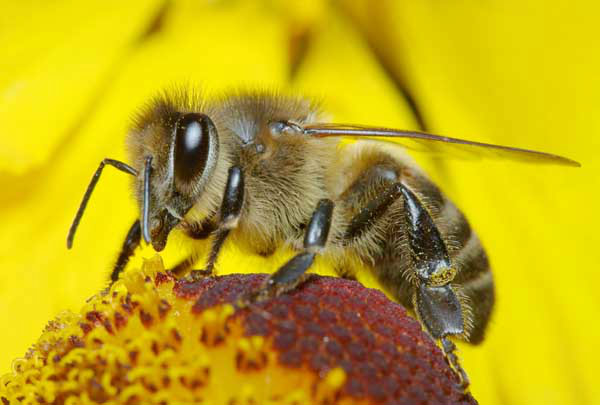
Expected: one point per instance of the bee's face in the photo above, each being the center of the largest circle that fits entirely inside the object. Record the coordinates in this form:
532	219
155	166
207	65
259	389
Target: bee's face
179	152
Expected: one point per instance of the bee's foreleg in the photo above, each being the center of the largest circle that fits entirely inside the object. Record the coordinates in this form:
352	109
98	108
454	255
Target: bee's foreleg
198	231
132	241
231	209
293	272
183	266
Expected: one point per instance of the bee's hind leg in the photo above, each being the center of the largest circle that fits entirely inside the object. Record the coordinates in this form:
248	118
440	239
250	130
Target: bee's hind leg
293	272
436	301
449	349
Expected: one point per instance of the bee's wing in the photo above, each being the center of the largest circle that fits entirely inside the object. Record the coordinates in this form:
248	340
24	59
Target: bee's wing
422	141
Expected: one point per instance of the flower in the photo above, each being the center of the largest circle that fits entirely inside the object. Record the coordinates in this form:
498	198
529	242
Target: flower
505	72
151	339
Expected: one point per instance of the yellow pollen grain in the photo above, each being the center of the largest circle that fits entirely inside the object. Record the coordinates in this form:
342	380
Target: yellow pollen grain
335	378
442	277
330	386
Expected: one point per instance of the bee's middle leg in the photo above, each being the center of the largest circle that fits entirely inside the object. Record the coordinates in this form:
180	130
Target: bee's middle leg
293	272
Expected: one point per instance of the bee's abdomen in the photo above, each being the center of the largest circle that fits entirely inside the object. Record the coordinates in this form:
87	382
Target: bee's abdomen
474	276
383	239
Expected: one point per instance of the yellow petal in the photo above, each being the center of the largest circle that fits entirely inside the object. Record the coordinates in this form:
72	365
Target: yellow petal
57	60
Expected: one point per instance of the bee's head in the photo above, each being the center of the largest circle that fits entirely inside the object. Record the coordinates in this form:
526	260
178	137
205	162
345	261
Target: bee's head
175	154
173	151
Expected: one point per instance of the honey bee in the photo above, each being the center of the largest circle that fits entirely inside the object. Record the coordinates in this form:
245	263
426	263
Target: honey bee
260	168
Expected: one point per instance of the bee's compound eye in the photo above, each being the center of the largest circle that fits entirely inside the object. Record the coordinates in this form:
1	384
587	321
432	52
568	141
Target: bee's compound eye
192	145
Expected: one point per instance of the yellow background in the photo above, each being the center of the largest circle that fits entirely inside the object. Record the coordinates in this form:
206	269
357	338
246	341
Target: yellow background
510	72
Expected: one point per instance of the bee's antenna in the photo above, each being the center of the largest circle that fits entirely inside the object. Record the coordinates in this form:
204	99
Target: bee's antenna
88	193
146	200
